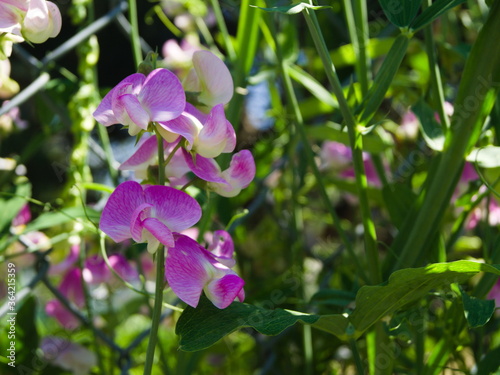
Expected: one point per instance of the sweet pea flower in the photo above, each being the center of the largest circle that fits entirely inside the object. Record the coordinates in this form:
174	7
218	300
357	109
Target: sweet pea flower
71	287
179	56
227	183
68	355
191	269
139	100
208	136
209	79
66	263
33	20
222	248
96	270
148	214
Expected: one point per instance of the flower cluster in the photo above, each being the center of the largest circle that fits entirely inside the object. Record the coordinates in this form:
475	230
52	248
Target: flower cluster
190	120
31	20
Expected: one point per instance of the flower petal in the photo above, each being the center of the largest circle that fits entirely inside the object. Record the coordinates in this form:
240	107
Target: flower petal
216	133
239	175
128	110
185	125
104	112
117	213
222	247
146	150
55	16
162	95
222	292
187	269
161	232
174	208
206	169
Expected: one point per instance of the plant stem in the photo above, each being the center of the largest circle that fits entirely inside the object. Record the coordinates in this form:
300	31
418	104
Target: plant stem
223	29
466	124
160	275
136	42
299	123
356	142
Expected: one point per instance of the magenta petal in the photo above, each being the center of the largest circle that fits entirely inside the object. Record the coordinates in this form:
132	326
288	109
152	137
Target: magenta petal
123	267
96	271
159	230
222	247
162	95
66	319
223	291
117	213
141	212
104	112
242	168
174	208
187	269
206	169
146	150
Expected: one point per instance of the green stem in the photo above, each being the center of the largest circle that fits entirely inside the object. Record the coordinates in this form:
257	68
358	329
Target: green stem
466	124
136	43
155	321
297	115
356	142
437	85
160	275
357	358
223	29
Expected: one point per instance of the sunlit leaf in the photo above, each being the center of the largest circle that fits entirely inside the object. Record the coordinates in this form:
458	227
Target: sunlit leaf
485	157
294	8
437	8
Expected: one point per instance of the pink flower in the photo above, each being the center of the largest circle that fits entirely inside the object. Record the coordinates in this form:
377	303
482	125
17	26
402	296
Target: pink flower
495	293
68	355
96	270
222	248
67	263
210	79
208	136
191	269
148	214
71	287
229	182
179	56
34	20
23	217
138	100
492	215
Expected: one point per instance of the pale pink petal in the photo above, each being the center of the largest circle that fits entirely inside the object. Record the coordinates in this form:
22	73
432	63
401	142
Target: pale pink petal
174	208
117	213
206	169
36	24
239	175
215	134
159	230
162	95
212	79
223	291
185	125
55	16
128	110
187	269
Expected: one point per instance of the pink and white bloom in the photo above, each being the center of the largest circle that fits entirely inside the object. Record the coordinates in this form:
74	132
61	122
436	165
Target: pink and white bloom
68	355
96	270
148	214
191	269
139	100
227	183
208	136
210	79
33	20
71	287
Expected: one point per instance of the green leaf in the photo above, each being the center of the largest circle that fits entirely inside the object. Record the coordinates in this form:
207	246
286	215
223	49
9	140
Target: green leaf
372	142
294	8
485	157
383	79
407	286
203	326
400	13
26	332
52	219
490	363
398	199
312	85
431	130
477	311
437	8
